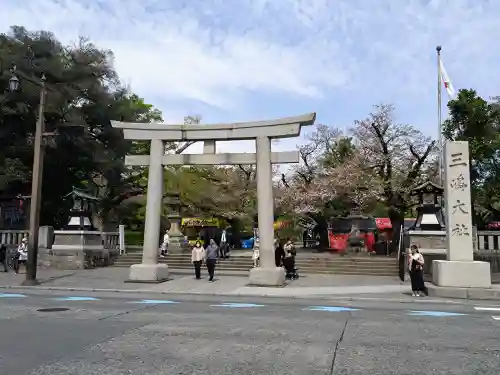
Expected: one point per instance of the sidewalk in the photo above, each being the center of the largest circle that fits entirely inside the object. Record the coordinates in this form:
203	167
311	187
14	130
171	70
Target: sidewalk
112	280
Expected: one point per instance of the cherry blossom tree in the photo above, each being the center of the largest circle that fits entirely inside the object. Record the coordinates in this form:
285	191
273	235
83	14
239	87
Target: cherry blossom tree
395	156
381	162
305	188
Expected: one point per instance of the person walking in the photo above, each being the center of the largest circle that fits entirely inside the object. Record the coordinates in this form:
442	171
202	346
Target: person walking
223	247
4	257
289	259
416	267
278	253
197	256
212	255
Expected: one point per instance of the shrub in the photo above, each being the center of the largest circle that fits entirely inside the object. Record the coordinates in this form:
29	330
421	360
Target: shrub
133	238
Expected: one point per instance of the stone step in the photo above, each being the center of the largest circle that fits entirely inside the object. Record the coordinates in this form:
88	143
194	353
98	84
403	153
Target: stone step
304	271
340	260
249	259
246	260
365	271
313	264
249	262
298	265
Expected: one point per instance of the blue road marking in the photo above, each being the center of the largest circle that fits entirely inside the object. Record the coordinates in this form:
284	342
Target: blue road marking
76	299
434	313
155	301
329	308
11	295
237	305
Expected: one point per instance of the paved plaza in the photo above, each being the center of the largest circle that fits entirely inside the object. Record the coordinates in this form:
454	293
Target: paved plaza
112	279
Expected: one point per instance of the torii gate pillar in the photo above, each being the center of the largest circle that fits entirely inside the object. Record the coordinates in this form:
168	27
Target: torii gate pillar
262	132
267	273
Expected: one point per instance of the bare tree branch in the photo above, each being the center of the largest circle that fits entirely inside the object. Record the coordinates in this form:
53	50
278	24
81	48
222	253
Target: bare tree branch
188	120
184	146
284	181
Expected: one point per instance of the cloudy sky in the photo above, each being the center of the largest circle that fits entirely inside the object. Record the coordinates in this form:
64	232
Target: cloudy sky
238	60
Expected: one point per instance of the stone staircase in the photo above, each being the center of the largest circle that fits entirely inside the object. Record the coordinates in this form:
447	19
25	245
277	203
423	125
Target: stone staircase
307	263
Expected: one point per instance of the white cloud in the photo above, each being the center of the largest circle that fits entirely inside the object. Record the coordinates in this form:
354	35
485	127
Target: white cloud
173	54
268	54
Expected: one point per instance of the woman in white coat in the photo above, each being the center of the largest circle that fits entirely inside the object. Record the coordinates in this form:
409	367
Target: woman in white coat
197	256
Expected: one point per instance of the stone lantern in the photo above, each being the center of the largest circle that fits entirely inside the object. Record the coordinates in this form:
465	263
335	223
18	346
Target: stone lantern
83	205
176	237
428	198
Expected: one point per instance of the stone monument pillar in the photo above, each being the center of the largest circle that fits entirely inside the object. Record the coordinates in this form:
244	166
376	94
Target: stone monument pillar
150	270
459	269
267	274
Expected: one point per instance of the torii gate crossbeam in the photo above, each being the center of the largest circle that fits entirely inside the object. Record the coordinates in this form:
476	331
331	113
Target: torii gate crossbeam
261	131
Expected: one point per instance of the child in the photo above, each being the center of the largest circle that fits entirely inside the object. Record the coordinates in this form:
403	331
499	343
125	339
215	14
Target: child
21	255
164	245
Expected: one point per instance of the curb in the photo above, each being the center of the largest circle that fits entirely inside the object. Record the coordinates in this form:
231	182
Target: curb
222	294
104	290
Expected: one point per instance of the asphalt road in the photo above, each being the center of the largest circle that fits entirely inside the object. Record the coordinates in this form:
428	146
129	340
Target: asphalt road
140	334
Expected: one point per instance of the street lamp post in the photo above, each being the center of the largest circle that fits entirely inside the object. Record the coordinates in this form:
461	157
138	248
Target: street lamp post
36	182
36	192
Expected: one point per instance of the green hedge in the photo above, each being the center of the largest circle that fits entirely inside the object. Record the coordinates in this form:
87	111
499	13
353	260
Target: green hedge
134	238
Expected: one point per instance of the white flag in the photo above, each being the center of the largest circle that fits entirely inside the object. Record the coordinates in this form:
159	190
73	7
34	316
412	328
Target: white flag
446	81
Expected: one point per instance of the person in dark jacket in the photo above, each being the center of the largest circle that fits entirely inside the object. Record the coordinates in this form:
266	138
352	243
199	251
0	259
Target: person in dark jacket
278	253
212	254
3	257
289	260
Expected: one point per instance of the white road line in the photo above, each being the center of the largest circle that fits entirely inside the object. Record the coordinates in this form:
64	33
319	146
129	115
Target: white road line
496	317
487	308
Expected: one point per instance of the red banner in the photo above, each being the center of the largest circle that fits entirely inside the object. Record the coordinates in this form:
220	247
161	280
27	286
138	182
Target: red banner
383	223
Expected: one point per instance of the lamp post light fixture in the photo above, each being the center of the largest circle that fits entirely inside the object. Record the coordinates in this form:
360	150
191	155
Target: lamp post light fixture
13	83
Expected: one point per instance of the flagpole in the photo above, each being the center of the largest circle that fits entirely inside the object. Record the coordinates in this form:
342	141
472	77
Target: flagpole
440	131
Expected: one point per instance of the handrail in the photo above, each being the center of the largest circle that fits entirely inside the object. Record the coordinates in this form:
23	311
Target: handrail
401	255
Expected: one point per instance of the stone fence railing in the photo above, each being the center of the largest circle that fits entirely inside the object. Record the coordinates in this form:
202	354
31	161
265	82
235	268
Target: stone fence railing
110	240
488	240
12	237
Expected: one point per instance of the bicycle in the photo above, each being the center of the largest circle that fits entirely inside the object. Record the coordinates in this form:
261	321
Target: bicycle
12	258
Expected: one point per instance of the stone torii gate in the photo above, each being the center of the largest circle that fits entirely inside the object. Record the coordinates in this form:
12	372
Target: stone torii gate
260	131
